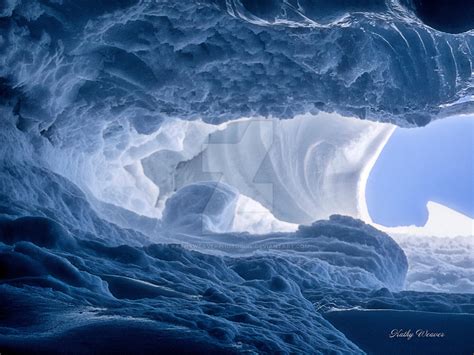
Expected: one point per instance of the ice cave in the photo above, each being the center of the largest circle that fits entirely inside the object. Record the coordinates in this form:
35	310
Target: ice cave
237	177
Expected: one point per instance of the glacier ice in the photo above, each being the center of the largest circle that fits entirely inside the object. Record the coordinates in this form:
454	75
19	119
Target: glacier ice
442	222
120	278
439	264
303	169
201	207
190	176
194	60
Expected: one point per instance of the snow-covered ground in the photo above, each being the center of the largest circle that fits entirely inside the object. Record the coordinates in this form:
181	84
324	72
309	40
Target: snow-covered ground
190	176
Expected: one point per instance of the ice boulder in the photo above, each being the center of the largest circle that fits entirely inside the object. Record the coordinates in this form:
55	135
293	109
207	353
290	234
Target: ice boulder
350	244
41	231
201	207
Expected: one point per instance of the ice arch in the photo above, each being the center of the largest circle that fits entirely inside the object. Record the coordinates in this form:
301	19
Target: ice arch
300	170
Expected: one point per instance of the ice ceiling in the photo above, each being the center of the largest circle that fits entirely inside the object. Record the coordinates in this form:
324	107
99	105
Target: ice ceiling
103	89
235	128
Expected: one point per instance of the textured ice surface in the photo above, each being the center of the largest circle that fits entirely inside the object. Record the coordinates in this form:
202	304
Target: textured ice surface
87	278
106	243
301	170
218	61
439	264
97	81
201	207
87	284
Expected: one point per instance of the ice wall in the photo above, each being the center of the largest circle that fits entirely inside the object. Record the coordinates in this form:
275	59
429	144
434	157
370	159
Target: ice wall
113	112
301	170
60	261
91	85
81	74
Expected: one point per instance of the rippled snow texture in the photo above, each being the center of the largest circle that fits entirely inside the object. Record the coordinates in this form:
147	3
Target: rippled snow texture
111	241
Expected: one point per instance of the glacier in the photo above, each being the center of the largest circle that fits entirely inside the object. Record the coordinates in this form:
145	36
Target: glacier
189	176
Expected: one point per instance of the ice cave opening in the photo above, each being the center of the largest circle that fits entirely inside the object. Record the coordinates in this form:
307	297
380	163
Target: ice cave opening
286	172
283	173
235	176
424	180
290	172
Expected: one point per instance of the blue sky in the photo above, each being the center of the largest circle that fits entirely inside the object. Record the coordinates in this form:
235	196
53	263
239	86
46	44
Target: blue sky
433	163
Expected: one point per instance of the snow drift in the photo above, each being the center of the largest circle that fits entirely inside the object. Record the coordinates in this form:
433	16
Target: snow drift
137	137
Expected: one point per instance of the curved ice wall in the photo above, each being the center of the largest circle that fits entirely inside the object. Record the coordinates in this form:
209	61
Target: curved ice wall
94	94
97	89
296	171
301	170
206	59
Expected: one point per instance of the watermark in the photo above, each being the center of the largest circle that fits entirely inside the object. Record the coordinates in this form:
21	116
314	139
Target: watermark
238	156
409	334
242	247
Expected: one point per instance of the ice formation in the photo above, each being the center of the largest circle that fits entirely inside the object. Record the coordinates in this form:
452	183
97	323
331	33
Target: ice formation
303	169
189	176
442	222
